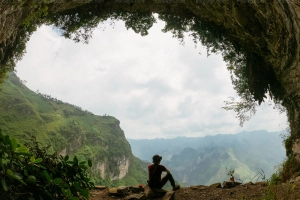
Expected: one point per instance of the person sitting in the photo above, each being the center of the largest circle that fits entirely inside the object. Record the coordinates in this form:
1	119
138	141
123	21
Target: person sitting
155	170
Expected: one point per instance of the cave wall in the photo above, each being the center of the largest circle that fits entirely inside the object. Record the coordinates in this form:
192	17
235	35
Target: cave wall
268	29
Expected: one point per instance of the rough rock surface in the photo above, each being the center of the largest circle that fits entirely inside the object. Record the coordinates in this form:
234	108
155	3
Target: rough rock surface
256	191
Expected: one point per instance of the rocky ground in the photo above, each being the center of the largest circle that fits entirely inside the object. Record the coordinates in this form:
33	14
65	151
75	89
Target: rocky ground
256	191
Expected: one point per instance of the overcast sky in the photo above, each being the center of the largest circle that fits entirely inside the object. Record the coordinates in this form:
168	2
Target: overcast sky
155	86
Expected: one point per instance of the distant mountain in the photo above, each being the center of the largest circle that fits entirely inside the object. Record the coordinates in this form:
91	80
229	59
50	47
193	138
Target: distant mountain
69	130
206	160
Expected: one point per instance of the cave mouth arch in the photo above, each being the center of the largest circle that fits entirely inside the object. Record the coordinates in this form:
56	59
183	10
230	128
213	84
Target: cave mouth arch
252	74
267	34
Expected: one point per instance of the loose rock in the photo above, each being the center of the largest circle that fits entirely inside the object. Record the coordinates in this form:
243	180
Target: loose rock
141	196
100	187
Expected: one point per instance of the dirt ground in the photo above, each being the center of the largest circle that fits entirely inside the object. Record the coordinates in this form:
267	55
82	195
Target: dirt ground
257	191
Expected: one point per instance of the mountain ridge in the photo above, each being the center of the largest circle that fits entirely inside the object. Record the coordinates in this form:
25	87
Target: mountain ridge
69	130
205	160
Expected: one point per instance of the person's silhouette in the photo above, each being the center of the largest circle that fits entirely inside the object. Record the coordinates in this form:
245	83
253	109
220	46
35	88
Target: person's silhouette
155	170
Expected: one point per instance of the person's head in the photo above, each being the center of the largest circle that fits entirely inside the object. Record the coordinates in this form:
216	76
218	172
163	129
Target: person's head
156	159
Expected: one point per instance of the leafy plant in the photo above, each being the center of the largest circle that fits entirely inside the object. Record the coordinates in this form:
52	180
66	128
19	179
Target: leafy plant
32	173
230	172
12	155
274	179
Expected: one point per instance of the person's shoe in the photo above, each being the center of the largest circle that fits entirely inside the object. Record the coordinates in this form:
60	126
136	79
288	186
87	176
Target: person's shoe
176	187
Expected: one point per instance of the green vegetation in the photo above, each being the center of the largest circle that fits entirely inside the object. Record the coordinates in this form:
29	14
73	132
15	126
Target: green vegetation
230	172
288	168
274	179
32	173
68	130
278	191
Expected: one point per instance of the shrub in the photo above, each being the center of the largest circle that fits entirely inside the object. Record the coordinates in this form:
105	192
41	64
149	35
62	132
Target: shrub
32	173
288	167
274	179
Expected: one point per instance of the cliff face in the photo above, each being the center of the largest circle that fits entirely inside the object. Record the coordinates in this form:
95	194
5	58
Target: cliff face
122	168
68	129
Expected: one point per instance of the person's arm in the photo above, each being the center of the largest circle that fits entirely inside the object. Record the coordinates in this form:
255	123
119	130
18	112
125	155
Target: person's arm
166	170
149	175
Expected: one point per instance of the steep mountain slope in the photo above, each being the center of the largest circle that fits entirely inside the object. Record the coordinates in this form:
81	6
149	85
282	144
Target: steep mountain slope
206	160
69	130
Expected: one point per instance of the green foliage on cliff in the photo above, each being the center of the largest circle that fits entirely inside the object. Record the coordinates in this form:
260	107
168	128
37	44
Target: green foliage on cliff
65	128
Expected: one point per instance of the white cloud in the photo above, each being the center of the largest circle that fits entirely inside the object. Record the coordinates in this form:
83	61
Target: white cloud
153	85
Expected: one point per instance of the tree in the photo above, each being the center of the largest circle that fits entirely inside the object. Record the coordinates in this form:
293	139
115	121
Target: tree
260	41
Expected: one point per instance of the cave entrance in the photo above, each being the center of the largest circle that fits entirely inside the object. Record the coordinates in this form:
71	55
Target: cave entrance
152	84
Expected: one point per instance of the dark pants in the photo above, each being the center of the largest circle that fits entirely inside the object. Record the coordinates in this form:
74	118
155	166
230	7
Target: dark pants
164	180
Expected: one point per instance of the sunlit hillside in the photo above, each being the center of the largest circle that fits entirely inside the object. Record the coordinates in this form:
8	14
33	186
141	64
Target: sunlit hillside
69	130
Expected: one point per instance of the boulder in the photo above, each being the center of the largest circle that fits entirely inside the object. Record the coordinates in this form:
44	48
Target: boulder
228	184
119	191
148	192
215	185
154	192
297	179
122	190
136	189
113	191
169	196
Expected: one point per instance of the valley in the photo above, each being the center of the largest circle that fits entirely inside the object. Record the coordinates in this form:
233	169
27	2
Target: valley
206	160
70	130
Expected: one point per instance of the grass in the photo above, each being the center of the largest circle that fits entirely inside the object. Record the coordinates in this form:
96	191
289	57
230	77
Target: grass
286	191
